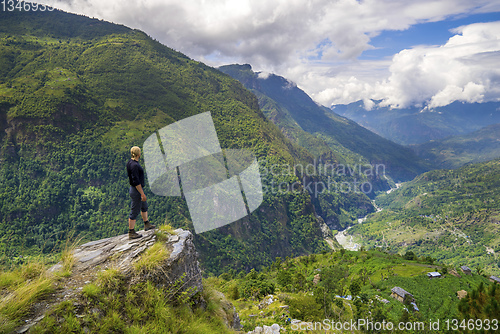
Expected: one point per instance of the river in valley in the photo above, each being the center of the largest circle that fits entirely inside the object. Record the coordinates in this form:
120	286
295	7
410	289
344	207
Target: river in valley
346	240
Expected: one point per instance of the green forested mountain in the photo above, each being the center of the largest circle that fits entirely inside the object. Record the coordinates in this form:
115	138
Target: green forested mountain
456	151
450	215
325	134
77	93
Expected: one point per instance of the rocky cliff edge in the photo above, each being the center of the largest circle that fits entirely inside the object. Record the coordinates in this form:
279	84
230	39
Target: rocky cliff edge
178	269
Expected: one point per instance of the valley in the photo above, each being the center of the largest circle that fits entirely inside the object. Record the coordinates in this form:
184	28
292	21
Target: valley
449	215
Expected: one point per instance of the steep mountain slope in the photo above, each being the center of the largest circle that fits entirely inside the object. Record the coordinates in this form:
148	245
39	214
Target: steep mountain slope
453	152
451	215
77	93
418	125
324	133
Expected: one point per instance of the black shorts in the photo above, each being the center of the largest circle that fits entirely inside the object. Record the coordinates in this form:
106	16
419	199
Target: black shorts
136	205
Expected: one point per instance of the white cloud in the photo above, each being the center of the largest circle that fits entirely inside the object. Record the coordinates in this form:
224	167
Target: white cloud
315	42
466	68
263	75
452	72
269	31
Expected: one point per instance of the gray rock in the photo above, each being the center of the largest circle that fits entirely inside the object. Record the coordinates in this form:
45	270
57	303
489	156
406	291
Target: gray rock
274	329
122	253
182	265
236	322
230	316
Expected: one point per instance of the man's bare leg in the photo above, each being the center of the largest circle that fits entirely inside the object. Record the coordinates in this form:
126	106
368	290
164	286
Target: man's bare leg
131	224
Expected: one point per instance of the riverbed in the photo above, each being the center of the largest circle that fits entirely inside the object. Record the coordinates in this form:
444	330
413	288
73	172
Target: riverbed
347	241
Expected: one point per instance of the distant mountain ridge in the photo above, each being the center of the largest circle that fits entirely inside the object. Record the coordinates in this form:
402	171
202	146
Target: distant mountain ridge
417	125
324	133
453	152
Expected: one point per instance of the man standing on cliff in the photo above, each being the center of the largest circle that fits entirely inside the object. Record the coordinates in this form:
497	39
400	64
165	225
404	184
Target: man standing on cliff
136	191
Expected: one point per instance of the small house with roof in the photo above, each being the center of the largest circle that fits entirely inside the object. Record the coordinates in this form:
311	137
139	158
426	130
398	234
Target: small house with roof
494	279
401	294
466	270
434	274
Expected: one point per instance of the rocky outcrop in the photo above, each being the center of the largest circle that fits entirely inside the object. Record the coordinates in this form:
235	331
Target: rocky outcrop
273	329
179	269
121	253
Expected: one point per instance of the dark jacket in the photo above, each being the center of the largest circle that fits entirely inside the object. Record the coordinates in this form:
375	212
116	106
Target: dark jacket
135	173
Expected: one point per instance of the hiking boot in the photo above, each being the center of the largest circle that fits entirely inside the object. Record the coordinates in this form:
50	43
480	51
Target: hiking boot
134	235
148	226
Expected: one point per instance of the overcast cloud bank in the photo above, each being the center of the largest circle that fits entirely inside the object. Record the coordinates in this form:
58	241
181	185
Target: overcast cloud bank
317	43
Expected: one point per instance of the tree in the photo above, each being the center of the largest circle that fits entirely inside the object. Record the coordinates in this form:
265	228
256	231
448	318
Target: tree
355	288
305	307
252	275
479	270
334	279
364	275
234	292
284	278
409	255
299	281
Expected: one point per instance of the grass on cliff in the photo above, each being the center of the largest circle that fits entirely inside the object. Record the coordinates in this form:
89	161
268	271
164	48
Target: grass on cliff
155	255
164	231
108	306
19	289
28	283
67	256
152	258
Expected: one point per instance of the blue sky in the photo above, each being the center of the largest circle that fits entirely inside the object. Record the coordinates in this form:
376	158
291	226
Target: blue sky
390	42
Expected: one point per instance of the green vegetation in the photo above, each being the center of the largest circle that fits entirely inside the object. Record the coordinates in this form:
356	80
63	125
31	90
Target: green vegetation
77	93
307	288
366	276
152	258
483	302
107	305
449	215
141	309
110	278
19	289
